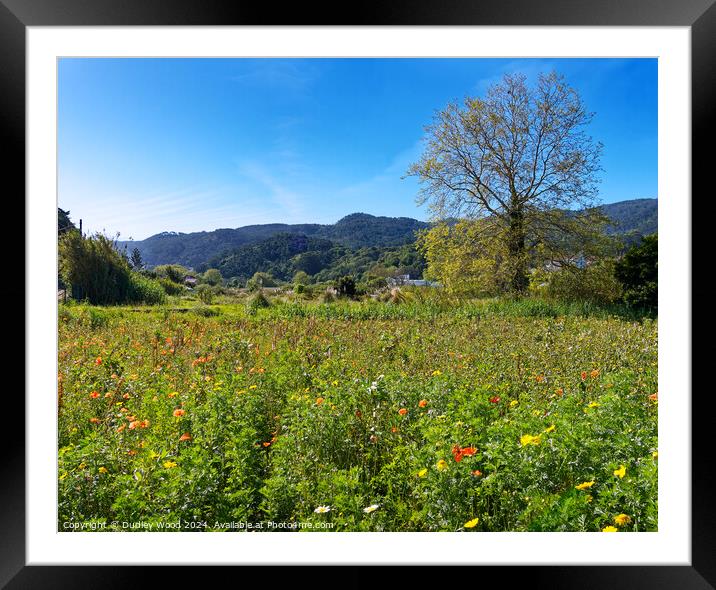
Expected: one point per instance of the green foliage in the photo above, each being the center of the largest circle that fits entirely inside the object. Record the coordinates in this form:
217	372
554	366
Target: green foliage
301	278
145	290
173	272
467	257
98	273
346	286
170	287
205	293
259	281
213	277
257	301
638	272
595	283
64	223
136	259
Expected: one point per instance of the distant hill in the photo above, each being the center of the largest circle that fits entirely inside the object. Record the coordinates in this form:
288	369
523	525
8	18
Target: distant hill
633	219
194	250
231	249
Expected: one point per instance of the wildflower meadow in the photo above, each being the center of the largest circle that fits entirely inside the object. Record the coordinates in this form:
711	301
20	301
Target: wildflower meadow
358	416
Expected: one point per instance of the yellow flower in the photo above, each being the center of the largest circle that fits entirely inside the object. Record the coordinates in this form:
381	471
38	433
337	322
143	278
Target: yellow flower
471	523
528	439
621	472
103	470
593	405
82	466
437	372
622	519
169	464
252	387
551	428
422	473
655	454
609	529
584	485
513	403
441	465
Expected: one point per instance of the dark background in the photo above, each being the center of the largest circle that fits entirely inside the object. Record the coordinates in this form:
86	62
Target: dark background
700	15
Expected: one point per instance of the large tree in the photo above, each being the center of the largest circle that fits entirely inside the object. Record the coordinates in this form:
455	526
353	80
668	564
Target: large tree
521	159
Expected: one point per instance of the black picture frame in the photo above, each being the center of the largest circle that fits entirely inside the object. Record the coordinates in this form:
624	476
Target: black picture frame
699	15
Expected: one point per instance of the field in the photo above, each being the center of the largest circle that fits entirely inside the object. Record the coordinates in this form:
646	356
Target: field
484	416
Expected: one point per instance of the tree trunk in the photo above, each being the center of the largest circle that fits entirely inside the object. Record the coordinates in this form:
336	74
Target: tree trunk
518	256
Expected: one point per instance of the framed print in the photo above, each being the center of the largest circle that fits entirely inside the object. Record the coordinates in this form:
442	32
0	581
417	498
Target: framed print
430	333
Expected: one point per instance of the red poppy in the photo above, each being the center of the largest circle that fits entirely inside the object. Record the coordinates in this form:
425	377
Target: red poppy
495	399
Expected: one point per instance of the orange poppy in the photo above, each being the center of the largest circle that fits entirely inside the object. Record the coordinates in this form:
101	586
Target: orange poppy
179	412
185	436
422	403
403	411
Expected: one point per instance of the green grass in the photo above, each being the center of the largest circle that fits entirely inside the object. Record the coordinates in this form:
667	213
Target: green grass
298	405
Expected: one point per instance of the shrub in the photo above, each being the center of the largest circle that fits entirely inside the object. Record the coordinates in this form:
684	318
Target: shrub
173	272
595	283
213	277
638	273
205	293
99	274
170	287
258	301
346	286
260	280
145	290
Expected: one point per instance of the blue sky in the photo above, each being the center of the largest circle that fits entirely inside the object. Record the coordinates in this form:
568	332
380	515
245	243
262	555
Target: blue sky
151	145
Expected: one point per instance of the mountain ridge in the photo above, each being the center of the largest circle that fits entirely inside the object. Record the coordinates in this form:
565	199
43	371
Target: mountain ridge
632	218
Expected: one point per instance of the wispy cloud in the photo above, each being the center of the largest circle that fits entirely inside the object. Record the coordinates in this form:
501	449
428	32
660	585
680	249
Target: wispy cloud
290	202
288	74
